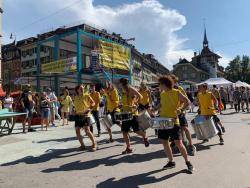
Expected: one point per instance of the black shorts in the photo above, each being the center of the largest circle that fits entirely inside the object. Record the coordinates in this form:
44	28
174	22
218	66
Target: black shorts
183	120
173	134
126	125
82	121
142	107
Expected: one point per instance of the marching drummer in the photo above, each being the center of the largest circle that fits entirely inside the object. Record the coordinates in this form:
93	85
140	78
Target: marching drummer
112	102
83	104
207	108
170	100
130	96
183	119
146	101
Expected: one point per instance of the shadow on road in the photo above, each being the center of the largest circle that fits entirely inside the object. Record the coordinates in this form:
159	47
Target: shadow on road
52	154
108	161
137	180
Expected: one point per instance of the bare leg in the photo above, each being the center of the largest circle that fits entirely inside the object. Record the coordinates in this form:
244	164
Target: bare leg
90	135
79	136
110	133
182	149
63	118
167	149
126	139
67	118
47	123
141	133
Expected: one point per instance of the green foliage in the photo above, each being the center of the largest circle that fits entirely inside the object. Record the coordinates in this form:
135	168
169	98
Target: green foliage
239	69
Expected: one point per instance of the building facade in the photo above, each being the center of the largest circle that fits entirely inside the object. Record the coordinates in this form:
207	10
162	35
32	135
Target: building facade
202	66
1	35
76	44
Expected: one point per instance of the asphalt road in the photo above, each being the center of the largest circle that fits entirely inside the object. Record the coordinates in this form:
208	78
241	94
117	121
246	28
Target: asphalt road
50	159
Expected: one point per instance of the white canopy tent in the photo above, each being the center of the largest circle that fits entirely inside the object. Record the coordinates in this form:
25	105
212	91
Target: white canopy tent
217	81
241	84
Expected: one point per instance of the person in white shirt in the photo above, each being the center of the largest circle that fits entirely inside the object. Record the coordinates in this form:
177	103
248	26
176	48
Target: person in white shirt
52	98
8	102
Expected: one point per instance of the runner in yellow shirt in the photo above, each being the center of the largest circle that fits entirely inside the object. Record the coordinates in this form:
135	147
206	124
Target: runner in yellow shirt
130	96
96	96
146	101
207	108
83	104
112	103
170	108
183	120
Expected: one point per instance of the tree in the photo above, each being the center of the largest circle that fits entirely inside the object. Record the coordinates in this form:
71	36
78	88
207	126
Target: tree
239	69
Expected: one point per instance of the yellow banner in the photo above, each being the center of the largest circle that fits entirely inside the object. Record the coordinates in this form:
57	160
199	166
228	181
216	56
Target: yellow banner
114	55
60	66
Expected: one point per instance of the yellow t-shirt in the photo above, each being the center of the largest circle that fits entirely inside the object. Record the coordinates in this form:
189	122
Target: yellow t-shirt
183	92
206	103
82	103
146	97
169	104
112	98
66	101
129	103
97	98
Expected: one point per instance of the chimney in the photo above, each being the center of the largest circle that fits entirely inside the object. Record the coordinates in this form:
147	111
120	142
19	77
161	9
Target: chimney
195	53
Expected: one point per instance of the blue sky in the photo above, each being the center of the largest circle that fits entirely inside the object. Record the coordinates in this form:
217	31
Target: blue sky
167	28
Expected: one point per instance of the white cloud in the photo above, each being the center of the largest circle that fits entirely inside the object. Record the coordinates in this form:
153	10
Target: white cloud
153	25
224	61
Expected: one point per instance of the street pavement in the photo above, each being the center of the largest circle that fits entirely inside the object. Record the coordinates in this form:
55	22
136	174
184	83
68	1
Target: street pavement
50	159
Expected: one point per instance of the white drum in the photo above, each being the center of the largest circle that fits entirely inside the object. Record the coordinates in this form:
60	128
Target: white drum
123	116
92	120
144	120
163	123
106	121
204	128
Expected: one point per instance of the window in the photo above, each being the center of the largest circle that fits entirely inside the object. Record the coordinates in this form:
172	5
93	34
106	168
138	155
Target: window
184	75
184	68
193	75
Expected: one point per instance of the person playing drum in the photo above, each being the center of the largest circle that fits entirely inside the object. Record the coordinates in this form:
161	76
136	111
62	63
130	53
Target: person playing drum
129	98
207	108
83	104
183	119
146	101
170	100
112	102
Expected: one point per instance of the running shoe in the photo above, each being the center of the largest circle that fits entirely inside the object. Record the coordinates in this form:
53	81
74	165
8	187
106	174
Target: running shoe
146	142
169	165
221	141
53	125
127	151
190	167
31	130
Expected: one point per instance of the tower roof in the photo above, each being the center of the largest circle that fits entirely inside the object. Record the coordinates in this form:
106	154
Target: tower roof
205	41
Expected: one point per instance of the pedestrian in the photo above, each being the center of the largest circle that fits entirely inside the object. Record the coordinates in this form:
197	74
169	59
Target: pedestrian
191	99
244	99
83	104
28	105
223	95
216	93
230	96
95	95
45	110
130	96
171	110
237	99
52	98
8	102
66	103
